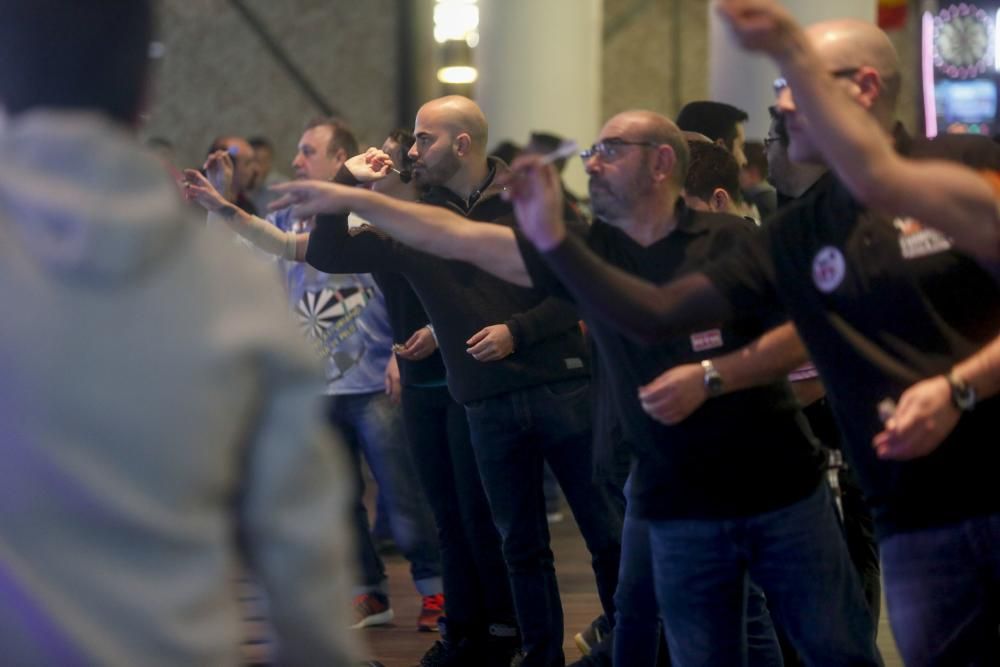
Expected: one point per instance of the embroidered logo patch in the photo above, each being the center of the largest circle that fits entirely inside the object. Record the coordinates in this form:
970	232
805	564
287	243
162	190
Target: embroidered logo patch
828	269
915	240
706	340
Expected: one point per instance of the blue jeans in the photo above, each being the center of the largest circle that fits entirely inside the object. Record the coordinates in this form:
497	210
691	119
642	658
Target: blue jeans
796	554
637	626
371	424
943	590
512	435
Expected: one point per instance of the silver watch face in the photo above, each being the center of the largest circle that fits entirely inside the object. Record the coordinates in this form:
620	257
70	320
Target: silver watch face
963	395
713	382
964	398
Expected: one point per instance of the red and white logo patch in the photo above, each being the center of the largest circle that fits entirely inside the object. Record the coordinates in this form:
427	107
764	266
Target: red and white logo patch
829	268
706	340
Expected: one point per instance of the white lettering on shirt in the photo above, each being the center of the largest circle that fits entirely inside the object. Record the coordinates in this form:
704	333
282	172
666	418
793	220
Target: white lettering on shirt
915	240
706	340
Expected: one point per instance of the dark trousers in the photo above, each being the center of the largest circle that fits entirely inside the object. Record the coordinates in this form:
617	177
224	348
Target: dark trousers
942	586
513	435
476	588
859	527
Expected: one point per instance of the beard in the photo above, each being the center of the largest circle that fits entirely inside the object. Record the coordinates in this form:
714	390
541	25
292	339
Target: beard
610	203
430	175
604	201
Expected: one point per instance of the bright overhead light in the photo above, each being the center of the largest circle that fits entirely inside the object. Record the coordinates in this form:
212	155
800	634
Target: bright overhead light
457	74
456	20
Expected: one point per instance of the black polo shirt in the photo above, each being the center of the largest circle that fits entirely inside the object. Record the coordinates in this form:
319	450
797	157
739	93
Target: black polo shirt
739	454
881	304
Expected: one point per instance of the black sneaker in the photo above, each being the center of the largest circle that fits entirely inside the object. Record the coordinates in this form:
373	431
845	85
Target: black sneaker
452	650
598	632
445	653
592	661
503	646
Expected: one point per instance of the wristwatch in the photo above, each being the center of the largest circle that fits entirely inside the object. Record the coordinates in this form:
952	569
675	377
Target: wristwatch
963	394
713	381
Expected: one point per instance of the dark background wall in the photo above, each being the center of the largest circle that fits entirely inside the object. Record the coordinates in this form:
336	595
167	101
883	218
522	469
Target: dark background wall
216	77
374	61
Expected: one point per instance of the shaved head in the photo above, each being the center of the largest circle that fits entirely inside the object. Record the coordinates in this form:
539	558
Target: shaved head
642	125
852	43
864	65
451	141
458	115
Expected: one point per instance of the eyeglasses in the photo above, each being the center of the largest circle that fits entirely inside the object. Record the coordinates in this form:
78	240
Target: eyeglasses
780	83
770	140
609	149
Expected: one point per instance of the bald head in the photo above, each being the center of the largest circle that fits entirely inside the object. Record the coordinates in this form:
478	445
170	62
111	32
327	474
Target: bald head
846	44
450	150
638	168
457	115
642	125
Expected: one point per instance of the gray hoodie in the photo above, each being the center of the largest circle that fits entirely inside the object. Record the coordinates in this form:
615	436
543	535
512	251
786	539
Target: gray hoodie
157	407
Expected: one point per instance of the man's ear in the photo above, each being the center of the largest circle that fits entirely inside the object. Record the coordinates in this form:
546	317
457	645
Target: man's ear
870	83
665	163
720	201
463	143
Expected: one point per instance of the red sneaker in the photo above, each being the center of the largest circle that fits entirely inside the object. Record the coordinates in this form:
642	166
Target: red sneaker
371	609
431	609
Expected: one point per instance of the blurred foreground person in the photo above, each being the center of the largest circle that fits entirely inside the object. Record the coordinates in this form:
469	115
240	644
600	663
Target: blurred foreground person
157	411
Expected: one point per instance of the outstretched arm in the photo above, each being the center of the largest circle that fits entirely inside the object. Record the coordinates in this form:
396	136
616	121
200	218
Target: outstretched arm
952	198
257	231
634	306
430	229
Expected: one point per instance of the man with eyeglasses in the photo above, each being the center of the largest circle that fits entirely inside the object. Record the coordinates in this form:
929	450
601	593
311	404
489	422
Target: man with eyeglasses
790	179
944	195
904	333
734	487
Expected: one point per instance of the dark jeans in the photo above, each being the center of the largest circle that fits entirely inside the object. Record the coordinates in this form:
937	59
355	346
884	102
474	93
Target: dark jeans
513	435
859	527
637	627
476	587
942	586
370	423
796	554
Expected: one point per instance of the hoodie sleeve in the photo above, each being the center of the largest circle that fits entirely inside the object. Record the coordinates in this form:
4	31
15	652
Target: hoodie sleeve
294	517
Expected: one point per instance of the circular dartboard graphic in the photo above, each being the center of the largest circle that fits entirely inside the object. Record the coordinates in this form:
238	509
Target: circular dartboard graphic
963	41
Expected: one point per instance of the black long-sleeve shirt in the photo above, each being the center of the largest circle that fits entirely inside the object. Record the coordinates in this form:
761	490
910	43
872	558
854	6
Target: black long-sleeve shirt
461	299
